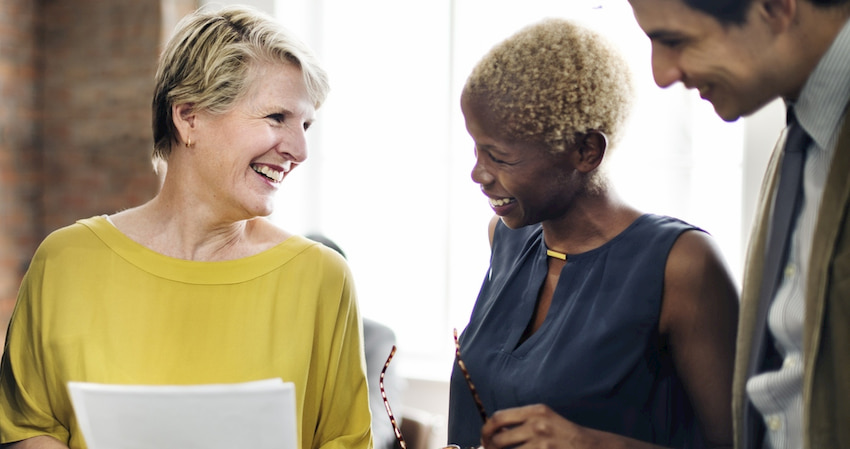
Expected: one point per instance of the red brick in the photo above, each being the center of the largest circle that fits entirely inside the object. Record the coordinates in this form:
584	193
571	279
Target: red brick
76	78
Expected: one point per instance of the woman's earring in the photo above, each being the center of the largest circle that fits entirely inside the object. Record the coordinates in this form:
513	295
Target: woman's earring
188	143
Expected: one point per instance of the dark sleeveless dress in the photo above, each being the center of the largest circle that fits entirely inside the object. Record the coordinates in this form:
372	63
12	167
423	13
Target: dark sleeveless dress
598	359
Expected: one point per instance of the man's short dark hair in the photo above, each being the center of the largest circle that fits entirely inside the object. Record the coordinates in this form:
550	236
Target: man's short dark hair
734	12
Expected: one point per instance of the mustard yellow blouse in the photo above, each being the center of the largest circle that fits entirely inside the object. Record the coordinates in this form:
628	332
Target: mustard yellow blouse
96	306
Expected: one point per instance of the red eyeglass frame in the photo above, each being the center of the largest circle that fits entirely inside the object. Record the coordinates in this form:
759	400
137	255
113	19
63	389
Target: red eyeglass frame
475	397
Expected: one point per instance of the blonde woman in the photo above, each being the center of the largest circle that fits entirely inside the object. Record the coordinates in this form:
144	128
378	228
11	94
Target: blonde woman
197	286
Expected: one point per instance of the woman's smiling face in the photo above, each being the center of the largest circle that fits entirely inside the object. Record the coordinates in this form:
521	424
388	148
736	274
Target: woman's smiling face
246	152
525	182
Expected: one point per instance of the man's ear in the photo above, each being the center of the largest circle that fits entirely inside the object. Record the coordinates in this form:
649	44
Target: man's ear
183	116
779	15
590	150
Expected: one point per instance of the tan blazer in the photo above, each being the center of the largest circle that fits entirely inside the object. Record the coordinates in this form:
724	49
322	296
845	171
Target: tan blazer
826	338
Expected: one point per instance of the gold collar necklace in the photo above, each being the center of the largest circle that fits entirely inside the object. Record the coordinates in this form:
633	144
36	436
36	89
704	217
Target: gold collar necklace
555	254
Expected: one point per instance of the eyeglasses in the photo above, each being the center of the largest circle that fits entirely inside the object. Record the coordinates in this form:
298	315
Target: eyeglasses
469	383
396	429
468	378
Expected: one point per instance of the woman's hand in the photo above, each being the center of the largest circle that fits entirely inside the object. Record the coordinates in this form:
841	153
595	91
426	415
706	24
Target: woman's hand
538	426
533	426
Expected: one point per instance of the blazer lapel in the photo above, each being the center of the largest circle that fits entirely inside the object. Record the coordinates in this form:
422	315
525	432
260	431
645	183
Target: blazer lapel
830	218
751	322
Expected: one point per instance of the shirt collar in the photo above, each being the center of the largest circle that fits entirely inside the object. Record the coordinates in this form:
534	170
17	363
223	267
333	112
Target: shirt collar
822	101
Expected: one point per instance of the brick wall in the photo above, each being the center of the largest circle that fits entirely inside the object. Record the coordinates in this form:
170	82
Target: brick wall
76	78
20	119
98	79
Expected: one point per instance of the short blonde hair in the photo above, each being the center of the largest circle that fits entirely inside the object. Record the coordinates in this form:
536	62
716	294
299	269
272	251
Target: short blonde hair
553	80
207	61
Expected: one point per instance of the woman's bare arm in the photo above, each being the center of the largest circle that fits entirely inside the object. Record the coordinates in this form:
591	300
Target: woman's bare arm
699	317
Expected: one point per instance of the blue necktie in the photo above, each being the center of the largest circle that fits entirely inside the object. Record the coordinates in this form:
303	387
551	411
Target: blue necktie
786	204
786	208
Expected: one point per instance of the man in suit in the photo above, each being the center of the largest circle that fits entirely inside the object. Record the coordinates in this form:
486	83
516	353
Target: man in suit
792	370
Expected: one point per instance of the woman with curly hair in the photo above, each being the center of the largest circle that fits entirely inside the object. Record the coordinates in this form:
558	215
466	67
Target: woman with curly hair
597	325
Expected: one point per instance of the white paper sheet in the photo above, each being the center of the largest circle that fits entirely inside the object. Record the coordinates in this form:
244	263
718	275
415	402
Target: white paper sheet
257	415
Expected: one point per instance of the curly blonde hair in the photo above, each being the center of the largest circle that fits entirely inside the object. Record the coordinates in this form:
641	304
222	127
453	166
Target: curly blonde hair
551	81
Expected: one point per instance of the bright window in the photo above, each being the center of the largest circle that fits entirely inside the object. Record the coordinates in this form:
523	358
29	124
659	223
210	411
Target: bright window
388	173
